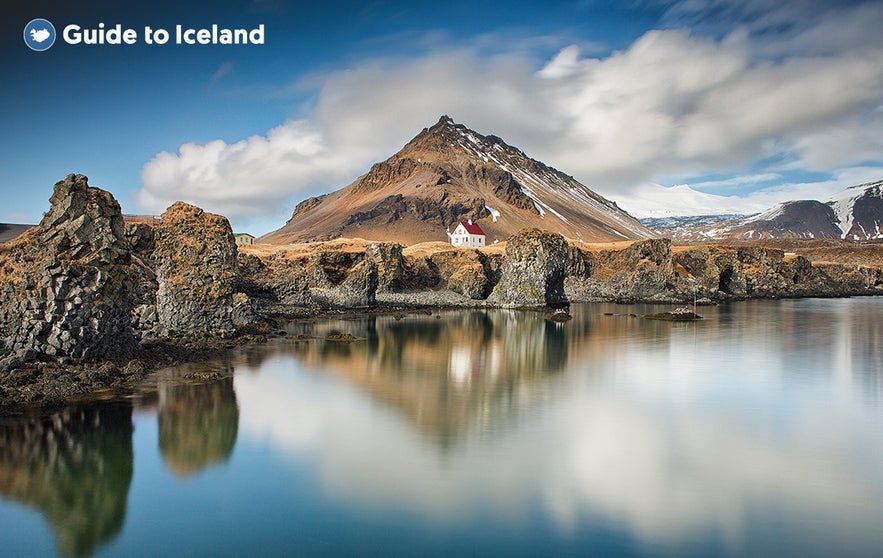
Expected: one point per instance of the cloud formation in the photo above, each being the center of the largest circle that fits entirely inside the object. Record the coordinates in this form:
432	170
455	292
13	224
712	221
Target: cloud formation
673	105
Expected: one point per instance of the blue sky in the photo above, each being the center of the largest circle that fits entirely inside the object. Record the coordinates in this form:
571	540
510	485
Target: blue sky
753	101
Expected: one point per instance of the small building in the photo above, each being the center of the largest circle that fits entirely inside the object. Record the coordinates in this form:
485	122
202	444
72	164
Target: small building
243	239
467	233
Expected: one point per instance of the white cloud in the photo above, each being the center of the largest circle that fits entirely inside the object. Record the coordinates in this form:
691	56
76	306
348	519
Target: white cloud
673	104
244	178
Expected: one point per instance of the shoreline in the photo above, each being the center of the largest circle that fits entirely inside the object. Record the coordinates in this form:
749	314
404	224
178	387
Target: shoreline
42	387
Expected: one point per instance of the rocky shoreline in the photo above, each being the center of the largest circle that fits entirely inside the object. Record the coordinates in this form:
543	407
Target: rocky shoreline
89	302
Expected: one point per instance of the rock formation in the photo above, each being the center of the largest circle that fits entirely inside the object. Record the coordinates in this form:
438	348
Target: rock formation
466	271
64	283
652	271
533	272
195	259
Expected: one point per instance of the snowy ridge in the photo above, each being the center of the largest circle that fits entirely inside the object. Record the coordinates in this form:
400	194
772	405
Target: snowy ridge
856	213
776	211
550	190
844	205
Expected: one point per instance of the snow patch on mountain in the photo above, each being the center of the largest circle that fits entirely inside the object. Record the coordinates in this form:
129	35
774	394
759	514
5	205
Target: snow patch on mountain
845	204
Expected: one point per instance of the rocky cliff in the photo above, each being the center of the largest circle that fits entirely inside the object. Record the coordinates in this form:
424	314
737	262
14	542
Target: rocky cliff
533	272
64	290
195	257
653	271
539	269
83	286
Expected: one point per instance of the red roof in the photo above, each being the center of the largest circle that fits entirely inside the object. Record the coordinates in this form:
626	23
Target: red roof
473	228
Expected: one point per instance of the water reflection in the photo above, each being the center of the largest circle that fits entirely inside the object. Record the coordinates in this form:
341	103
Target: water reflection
673	432
754	432
75	467
445	372
197	423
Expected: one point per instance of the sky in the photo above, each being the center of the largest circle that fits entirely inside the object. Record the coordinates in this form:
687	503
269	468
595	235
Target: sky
665	106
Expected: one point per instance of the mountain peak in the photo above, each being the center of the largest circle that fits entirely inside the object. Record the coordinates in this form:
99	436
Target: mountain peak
449	173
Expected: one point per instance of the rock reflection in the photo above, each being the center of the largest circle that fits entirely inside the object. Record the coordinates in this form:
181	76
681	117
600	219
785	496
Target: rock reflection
444	372
75	467
198	423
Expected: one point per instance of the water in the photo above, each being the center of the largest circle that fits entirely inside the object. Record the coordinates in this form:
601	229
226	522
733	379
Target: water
755	432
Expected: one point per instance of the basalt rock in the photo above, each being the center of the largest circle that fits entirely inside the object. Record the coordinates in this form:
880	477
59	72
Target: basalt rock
65	291
641	271
195	259
651	271
533	272
330	276
387	256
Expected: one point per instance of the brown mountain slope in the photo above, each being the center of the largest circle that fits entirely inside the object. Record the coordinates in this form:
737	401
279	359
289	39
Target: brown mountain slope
449	173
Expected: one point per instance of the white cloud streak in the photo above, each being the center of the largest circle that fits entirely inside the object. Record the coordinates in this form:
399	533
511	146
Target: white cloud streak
673	104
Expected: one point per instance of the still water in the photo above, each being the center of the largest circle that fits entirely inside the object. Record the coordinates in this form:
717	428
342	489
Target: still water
755	432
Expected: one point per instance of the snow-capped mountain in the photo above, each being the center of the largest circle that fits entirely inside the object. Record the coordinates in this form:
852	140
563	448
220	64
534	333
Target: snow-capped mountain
654	201
449	173
859	211
856	213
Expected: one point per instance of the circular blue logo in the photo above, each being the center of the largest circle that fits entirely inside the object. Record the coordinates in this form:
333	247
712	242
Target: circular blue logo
39	34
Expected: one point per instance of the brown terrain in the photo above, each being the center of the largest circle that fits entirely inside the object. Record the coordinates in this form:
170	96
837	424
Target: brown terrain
822	250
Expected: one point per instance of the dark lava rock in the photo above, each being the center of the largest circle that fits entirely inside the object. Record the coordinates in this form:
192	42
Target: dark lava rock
65	289
196	271
533	272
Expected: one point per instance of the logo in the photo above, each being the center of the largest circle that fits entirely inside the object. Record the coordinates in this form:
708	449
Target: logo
39	34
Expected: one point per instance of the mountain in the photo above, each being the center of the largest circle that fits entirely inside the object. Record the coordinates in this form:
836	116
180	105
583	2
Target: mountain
653	201
859	211
856	213
792	219
449	173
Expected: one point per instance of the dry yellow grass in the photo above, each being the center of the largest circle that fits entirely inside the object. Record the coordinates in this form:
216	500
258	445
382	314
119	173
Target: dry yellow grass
818	251
305	248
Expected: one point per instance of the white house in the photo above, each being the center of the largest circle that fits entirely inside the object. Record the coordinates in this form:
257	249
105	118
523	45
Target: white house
243	238
467	233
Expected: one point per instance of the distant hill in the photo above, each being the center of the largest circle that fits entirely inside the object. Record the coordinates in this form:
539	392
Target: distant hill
9	231
449	173
856	213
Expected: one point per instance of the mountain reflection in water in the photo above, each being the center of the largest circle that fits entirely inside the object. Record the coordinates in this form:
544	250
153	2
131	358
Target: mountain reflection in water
753	432
446	372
